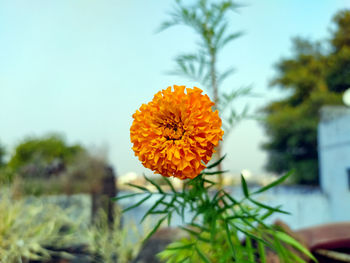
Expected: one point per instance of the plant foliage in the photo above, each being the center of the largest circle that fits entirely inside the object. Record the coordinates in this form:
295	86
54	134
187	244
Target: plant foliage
216	222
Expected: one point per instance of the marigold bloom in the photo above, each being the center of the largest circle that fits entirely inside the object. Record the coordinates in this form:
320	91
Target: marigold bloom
175	134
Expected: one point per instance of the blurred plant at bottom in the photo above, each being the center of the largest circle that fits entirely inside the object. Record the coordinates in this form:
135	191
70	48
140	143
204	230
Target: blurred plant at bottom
31	229
26	230
114	243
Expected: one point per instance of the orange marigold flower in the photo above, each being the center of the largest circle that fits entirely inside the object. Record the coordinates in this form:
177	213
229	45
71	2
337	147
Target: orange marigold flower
175	134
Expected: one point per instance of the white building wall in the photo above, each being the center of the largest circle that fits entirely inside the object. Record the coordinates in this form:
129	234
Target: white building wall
334	160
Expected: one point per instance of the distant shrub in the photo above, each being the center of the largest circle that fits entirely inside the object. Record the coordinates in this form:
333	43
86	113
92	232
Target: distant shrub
43	156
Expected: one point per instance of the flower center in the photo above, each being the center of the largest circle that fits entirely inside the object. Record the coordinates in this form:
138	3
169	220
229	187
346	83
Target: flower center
173	131
171	126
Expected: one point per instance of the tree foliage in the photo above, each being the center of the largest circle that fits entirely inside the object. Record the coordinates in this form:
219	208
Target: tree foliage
2	156
40	153
317	74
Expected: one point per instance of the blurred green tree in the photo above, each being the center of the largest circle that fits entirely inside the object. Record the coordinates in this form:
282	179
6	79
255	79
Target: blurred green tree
316	75
2	156
209	20
39	156
338	67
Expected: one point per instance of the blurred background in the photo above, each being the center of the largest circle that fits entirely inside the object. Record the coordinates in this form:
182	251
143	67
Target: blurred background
72	73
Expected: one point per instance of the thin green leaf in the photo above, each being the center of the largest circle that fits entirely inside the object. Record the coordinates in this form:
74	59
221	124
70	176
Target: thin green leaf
154	229
234	201
201	255
296	258
214	201
202	228
225	74
262	253
208	181
214	173
166	179
137	204
180	247
268	213
255	218
155	184
280	249
288	239
274	209
170	214
229	38
138	187
220	33
244	186
117	198
159	212
186	259
183	213
240	217
213	229
274	183
252	236
228	236
196	234
152	208
250	249
216	163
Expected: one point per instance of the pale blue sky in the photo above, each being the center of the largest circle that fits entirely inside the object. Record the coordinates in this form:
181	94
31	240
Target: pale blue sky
82	67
